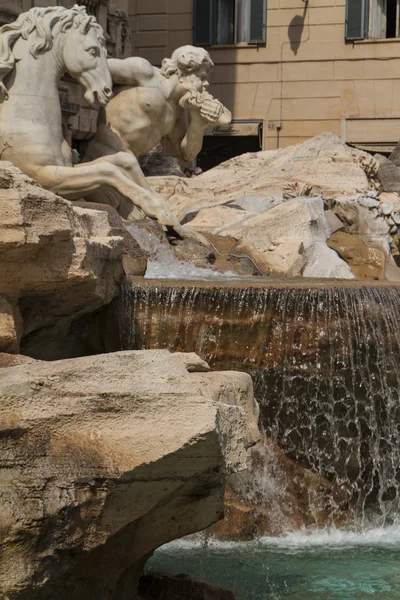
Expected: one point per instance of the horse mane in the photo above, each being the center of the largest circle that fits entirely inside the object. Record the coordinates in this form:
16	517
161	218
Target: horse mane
40	21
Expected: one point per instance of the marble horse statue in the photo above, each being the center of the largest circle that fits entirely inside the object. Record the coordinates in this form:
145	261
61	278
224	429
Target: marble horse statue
35	51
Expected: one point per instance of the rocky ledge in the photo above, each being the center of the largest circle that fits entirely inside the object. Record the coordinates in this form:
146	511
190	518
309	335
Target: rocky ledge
105	458
57	262
316	209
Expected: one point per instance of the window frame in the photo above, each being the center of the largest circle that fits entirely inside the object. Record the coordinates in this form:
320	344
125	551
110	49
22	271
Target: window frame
199	39
361	10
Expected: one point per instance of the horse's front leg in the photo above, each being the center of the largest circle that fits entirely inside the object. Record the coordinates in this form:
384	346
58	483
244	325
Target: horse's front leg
76	182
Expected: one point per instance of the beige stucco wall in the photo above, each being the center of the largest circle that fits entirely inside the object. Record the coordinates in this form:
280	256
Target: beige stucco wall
309	82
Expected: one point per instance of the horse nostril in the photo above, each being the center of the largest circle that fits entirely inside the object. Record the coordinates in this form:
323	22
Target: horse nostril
108	91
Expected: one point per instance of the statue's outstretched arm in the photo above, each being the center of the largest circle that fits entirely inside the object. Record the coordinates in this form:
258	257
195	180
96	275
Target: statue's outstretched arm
130	71
201	111
187	136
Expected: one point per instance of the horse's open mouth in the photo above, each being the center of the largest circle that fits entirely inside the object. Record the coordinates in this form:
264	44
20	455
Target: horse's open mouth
97	96
101	98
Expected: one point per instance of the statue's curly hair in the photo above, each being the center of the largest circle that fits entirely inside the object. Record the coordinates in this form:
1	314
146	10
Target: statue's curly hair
185	60
41	21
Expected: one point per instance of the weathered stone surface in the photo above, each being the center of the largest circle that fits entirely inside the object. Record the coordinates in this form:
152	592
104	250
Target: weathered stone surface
360	216
290	239
10	326
365	262
374	222
214	218
134	259
104	459
388	174
181	587
155	163
323	163
57	261
12	360
250	191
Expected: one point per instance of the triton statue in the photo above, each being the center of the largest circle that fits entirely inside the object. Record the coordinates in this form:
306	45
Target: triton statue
151	103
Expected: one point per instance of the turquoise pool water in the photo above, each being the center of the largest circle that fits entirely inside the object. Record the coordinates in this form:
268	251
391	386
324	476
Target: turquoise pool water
321	566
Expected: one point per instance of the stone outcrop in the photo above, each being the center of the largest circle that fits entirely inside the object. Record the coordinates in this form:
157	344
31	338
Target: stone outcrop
281	206
13	360
106	458
290	239
326	165
156	163
57	262
134	259
388	174
10	326
365	262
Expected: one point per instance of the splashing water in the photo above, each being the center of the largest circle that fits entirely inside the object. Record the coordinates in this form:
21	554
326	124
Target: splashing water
163	264
325	364
316	567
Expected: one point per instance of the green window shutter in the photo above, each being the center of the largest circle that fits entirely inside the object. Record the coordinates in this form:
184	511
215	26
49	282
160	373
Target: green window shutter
355	20
204	17
257	21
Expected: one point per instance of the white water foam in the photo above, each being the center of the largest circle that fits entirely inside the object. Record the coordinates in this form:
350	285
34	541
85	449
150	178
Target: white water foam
340	539
163	264
384	537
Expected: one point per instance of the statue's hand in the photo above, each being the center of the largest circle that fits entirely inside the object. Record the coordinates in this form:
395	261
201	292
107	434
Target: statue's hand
225	118
211	110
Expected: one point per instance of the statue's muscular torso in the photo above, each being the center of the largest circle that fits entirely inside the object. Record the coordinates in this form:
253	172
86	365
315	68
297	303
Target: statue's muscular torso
141	111
141	116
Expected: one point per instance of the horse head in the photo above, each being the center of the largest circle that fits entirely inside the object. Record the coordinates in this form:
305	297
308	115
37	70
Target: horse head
85	59
76	40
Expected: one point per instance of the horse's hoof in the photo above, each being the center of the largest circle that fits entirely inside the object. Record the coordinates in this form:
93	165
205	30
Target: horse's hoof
173	235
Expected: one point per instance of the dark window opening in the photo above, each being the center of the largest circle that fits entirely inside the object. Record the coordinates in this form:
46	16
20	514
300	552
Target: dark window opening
218	149
229	22
372	19
225	16
391	22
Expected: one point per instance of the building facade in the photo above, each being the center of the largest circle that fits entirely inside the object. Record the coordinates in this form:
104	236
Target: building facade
289	69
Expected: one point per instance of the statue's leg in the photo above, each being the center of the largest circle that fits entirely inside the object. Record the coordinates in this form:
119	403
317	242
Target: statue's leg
125	160
100	152
75	182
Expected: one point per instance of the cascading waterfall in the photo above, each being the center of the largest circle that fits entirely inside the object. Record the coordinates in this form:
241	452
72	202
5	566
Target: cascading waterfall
324	360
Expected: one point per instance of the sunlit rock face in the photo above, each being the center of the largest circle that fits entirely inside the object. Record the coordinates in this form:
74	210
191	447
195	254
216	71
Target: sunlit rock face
57	262
280	207
323	361
106	458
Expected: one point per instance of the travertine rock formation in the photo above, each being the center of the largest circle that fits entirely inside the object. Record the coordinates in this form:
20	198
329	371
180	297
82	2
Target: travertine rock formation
275	205
323	164
290	239
57	262
155	163
389	174
104	459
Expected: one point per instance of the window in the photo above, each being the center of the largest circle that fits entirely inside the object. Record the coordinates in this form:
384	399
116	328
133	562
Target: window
372	19
229	22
